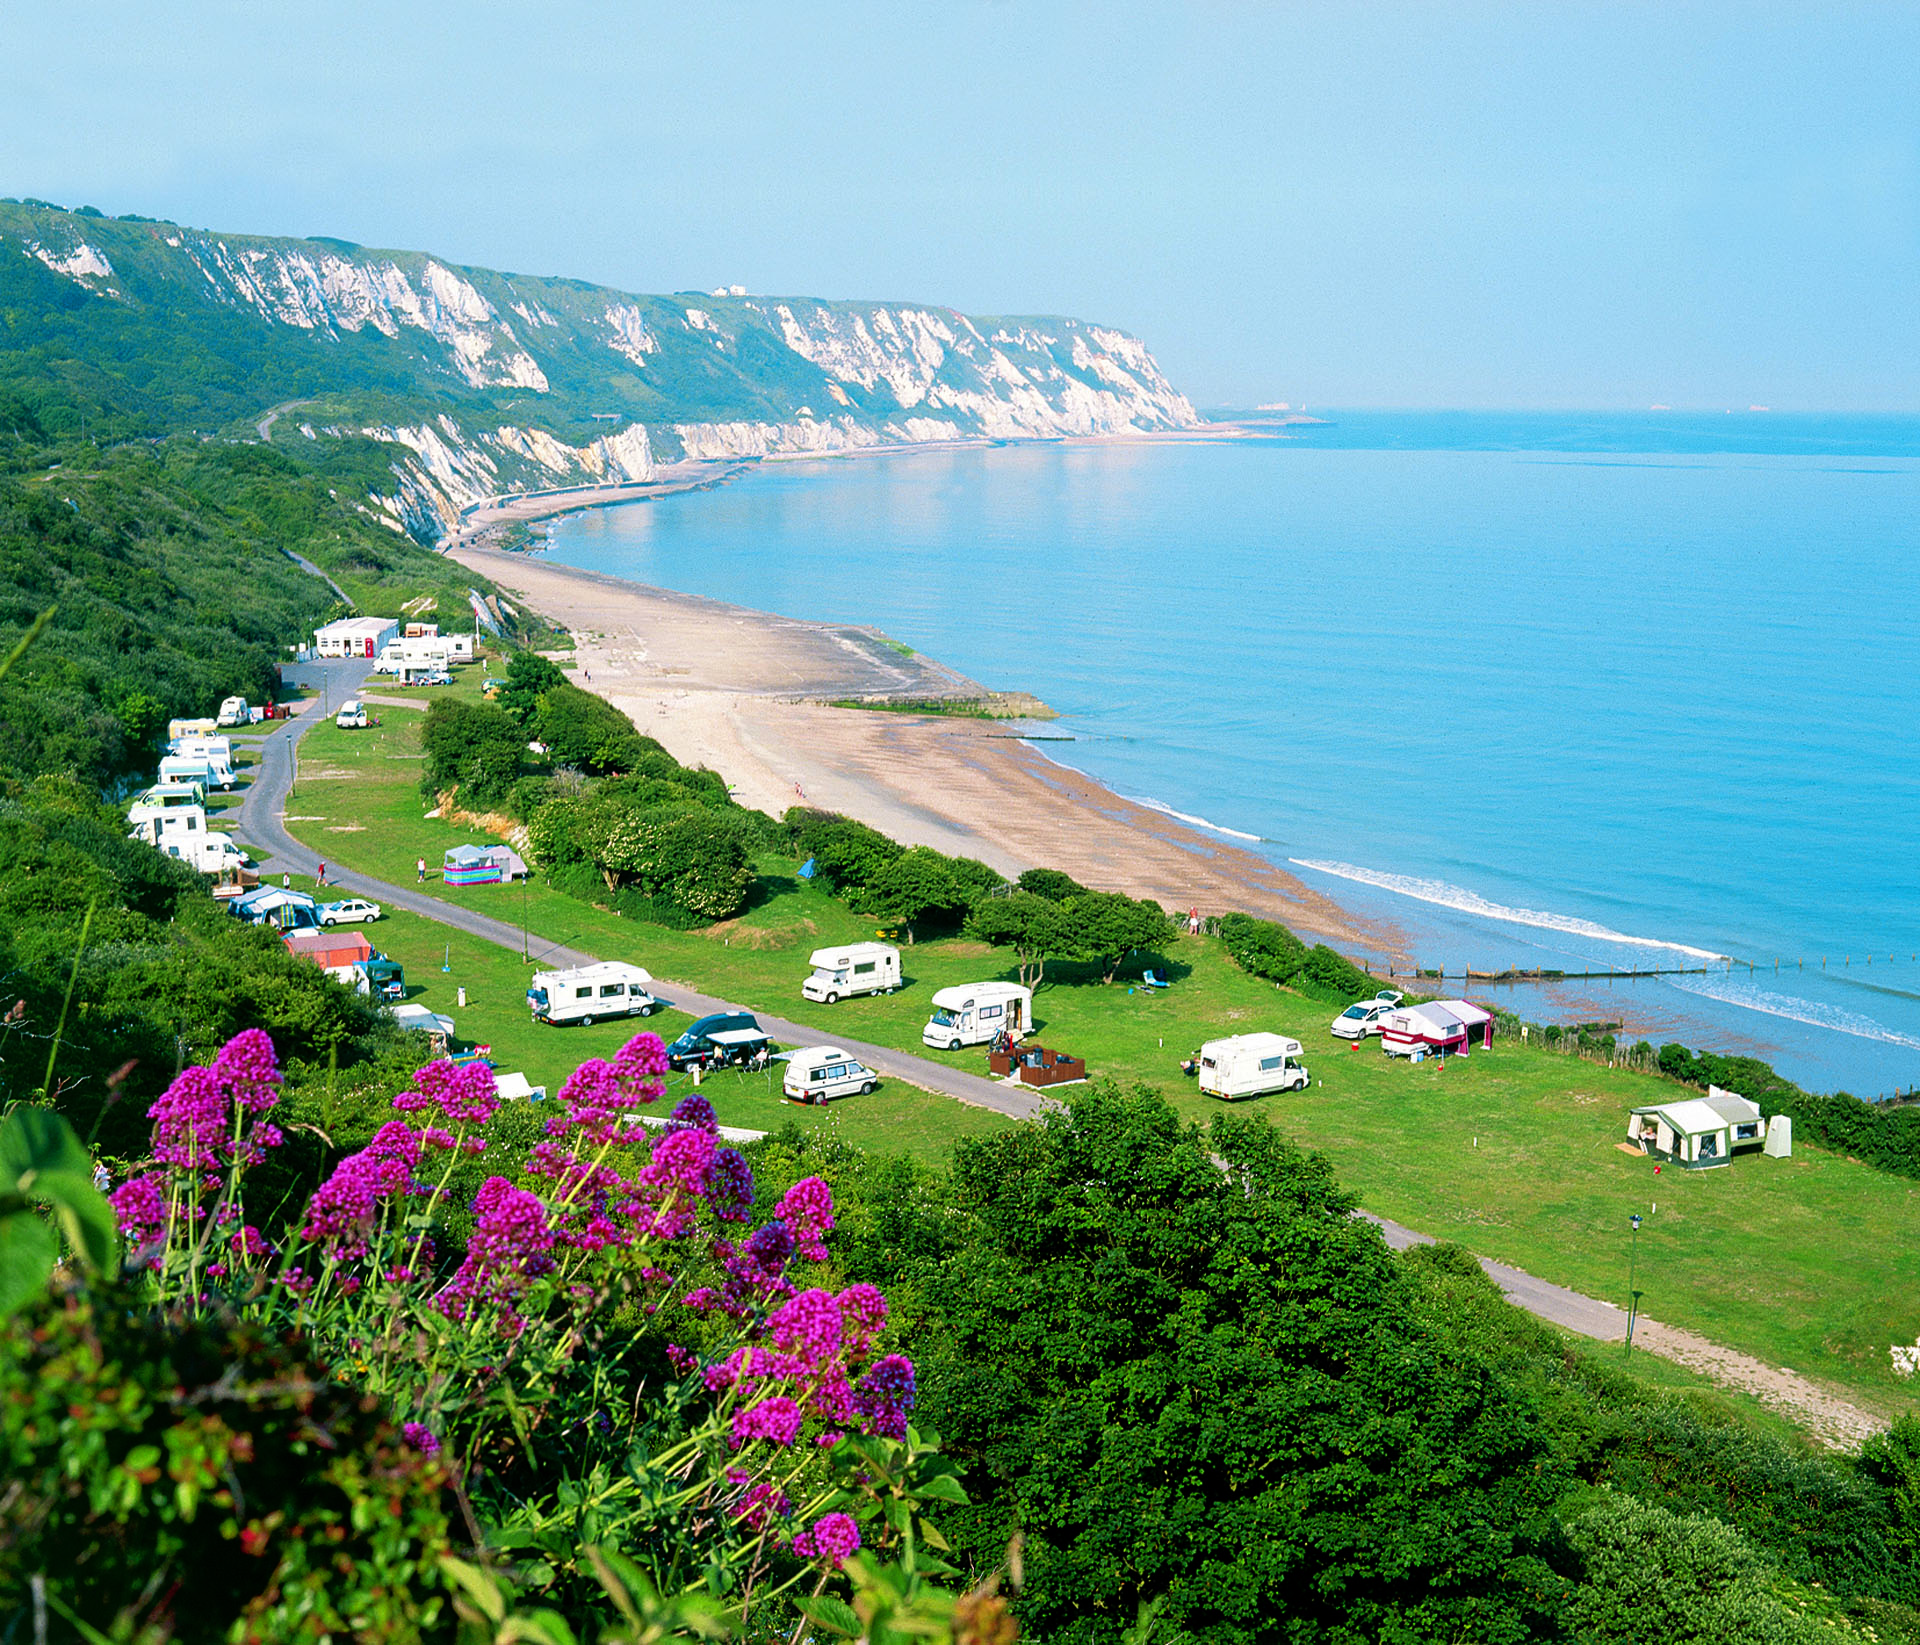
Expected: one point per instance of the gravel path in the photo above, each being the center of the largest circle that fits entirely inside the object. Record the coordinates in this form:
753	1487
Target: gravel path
1833	1420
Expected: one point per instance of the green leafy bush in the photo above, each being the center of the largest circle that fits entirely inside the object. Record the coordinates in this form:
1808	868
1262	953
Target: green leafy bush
473	750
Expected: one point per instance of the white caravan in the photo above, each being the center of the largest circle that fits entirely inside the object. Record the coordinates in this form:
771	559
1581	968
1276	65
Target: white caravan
819	1073
860	968
590	993
974	1012
1251	1065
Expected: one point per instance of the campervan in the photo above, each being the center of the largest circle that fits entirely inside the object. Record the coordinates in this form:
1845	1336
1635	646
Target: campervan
588	993
216	750
177	729
819	1073
1251	1065
182	832
975	1012
861	968
168	802
234	711
352	715
195	768
720	1037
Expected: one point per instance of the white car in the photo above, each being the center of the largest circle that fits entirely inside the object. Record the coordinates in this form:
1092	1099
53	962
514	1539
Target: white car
1366	1017
353	911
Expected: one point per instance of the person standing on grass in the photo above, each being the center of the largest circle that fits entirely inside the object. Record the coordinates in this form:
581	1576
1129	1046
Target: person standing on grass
420	870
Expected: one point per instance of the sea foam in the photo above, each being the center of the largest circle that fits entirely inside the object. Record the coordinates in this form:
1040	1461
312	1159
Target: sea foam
1443	895
1733	990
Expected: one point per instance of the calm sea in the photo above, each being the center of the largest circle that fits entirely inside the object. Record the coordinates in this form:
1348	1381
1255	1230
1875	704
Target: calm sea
1567	691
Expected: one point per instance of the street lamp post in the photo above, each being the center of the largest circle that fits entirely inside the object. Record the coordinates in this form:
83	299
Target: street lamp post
1633	1296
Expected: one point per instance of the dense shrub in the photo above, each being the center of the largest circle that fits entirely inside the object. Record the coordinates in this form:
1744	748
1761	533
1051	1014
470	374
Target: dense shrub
1264	948
1211	1387
473	750
847	856
1050	883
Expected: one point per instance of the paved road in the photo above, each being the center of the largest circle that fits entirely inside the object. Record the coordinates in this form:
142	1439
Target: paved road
262	826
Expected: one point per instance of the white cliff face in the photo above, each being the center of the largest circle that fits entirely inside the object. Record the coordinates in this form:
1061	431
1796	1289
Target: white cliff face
82	263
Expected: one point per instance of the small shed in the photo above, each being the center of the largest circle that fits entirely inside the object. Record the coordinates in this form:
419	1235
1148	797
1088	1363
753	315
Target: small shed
1698	1132
482	865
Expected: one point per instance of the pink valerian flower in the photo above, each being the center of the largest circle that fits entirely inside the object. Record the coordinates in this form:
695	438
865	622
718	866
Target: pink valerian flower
209	1115
885	1396
776	1419
511	1244
680	1162
807	1330
639	1064
696	1111
728	1185
681	1359
757	1504
343	1209
463	1096
421	1438
863	1311
248	1241
807	1210
833	1538
140	1209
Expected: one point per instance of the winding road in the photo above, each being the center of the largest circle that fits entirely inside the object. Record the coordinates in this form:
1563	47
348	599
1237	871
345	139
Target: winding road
261	824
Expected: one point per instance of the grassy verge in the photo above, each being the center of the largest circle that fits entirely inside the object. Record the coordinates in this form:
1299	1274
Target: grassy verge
1805	1263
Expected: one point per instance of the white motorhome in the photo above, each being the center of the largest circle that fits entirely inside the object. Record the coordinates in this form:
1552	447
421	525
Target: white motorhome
1251	1065
195	768
859	968
590	993
974	1012
234	711
819	1073
181	831
167	800
352	716
219	750
426	652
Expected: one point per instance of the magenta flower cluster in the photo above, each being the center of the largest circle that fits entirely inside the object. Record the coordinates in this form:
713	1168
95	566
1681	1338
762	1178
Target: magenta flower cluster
343	1210
208	1117
833	1538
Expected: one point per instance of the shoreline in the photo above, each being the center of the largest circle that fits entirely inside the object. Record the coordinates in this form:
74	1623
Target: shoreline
479	521
746	693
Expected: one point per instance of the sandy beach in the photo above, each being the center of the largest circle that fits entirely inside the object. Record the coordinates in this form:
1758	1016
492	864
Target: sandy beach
746	693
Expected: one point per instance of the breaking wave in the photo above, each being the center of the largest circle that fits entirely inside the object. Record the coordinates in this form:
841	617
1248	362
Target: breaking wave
1443	895
1738	991
1166	810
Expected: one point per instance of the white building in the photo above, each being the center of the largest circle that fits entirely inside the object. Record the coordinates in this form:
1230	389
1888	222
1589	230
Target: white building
355	636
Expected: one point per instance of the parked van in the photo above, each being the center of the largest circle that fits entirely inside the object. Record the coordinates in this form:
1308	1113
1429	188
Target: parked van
701	1042
209	853
819	1073
234	711
352	716
1251	1065
974	1012
588	993
217	750
861	968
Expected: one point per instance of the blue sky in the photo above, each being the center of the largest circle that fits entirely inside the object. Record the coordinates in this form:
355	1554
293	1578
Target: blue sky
1609	205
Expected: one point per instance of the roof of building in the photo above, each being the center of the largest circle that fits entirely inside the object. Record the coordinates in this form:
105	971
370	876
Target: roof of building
1690	1117
346	626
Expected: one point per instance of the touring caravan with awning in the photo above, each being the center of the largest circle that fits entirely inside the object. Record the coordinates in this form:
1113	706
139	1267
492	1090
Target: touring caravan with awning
1438	1026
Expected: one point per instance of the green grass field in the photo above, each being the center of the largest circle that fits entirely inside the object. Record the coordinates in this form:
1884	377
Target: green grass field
1812	1263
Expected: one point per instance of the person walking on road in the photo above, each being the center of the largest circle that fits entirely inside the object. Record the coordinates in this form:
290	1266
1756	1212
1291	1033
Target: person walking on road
320	876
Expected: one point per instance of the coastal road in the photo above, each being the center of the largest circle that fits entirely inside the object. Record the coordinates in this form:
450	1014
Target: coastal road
262	826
